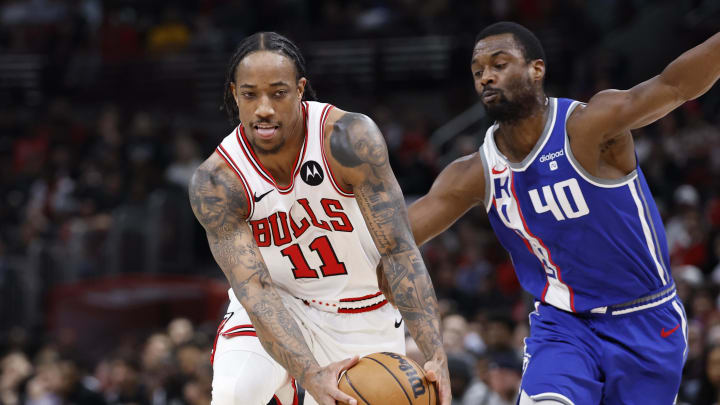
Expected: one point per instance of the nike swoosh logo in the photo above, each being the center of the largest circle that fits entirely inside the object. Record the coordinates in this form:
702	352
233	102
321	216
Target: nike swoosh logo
398	323
257	198
498	172
665	333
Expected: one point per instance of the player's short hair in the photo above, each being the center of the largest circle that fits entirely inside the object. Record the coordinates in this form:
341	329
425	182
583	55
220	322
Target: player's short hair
263	41
529	44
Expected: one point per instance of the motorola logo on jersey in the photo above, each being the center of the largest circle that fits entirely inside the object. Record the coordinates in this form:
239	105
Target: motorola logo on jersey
312	173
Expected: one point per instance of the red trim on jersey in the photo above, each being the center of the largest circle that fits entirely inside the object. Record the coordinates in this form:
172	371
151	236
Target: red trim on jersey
240	327
331	175
234	334
295	394
364	297
527	244
217	335
257	164
246	187
547	285
572	296
363	309
240	330
240	136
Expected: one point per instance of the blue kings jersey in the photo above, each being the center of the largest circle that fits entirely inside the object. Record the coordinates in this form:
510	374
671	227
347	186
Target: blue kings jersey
578	242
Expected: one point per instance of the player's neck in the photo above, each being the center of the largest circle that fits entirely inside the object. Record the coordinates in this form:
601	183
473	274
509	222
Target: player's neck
280	163
516	139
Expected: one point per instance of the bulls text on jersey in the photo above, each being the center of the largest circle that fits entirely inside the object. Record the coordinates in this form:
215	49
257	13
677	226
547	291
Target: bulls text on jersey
280	228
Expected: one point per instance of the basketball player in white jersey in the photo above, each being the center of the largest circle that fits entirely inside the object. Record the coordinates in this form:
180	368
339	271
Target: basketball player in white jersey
300	205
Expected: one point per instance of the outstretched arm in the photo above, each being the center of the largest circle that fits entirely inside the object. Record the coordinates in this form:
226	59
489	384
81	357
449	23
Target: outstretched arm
613	112
358	151
219	203
459	187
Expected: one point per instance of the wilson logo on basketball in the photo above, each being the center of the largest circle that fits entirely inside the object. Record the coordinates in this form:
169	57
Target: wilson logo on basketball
387	378
413	378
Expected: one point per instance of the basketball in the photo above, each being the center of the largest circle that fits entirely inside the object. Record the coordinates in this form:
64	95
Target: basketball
387	379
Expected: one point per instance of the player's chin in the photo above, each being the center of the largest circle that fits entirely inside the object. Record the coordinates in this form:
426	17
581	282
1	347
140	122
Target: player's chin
268	146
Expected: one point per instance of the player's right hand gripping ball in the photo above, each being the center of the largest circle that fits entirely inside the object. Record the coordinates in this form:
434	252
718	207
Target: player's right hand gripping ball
387	379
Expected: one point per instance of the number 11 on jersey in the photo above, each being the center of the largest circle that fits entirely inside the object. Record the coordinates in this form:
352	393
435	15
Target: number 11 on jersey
301	269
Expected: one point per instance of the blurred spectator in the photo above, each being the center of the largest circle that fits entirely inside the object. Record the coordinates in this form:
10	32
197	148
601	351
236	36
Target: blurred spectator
15	369
469	390
60	381
170	35
180	331
460	377
504	374
709	393
121	382
186	160
207	37
498	337
196	393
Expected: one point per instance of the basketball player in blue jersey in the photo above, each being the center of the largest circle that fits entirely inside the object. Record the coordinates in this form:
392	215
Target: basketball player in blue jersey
562	187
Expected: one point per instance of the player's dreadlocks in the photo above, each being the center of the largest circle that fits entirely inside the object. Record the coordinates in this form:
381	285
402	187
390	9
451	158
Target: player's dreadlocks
270	41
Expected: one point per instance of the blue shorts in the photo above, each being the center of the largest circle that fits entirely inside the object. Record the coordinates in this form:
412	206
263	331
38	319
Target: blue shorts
633	358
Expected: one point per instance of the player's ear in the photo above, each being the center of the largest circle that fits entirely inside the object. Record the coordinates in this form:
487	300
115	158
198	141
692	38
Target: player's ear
232	90
537	69
302	82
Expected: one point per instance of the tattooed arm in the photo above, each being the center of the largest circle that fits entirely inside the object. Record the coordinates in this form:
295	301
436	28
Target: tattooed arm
221	206
359	157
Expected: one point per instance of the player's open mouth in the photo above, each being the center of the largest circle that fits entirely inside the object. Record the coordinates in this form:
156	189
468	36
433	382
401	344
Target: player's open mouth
265	131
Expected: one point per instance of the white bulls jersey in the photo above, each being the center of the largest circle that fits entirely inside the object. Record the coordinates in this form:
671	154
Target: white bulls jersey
311	233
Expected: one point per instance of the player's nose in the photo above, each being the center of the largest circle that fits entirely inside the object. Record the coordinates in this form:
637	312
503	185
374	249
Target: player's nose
264	108
487	78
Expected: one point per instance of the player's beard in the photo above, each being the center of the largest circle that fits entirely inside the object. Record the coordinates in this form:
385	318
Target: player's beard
522	104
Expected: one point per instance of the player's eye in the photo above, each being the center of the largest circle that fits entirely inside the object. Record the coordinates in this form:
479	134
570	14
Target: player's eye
247	94
499	66
478	73
280	93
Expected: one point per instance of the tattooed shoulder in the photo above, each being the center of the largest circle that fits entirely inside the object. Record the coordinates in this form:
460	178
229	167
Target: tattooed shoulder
216	195
356	140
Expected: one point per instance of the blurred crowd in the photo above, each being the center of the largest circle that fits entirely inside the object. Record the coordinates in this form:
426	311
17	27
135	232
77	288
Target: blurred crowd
170	366
124	29
68	167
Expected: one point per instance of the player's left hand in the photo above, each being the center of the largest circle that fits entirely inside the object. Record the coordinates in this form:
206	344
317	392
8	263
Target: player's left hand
436	371
322	383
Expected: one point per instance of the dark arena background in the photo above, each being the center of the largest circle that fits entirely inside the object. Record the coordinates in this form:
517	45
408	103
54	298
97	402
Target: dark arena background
108	292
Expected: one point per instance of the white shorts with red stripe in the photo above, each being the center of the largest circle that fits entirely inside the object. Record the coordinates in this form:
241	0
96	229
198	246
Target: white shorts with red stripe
243	373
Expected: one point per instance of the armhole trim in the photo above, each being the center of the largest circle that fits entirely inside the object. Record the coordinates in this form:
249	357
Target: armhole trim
331	175
246	187
487	198
595	181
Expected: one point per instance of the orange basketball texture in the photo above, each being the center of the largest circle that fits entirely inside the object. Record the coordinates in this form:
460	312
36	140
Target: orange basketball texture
387	379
